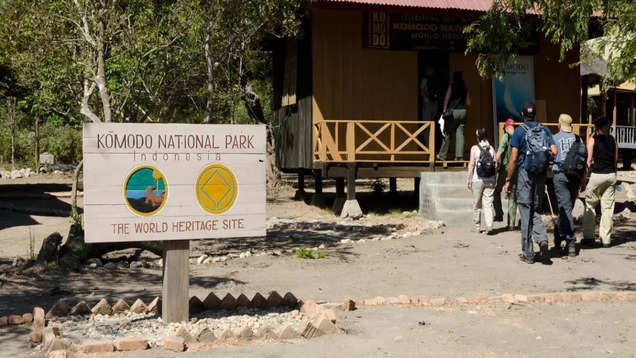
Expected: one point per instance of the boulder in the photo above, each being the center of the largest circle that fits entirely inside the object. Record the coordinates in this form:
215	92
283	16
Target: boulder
121	306
196	306
80	309
50	248
138	307
59	309
102	307
212	302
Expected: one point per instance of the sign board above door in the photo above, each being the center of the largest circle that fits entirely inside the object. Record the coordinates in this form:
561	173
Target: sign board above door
173	181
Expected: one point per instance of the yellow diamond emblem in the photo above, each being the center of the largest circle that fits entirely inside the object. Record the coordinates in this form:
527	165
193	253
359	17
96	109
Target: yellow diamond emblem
216	189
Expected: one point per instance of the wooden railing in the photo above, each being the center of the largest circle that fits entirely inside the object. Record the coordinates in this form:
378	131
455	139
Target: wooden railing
581	129
625	136
374	141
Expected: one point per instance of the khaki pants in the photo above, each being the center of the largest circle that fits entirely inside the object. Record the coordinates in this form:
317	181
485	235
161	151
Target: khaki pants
602	187
483	193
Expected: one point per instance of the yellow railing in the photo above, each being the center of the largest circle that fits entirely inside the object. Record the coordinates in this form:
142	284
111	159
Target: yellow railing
373	141
581	129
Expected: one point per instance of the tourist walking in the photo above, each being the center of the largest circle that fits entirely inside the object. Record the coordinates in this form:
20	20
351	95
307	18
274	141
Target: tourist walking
456	101
532	145
569	167
481	180
601	161
503	158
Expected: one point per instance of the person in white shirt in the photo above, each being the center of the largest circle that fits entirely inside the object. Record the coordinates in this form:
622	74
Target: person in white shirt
481	180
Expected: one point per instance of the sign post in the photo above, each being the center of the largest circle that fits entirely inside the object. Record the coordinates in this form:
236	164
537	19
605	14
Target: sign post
173	183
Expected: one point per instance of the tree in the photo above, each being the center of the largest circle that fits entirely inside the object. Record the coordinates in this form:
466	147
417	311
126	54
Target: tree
566	23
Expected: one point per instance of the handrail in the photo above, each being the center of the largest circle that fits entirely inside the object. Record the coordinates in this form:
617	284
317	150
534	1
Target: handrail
625	136
373	141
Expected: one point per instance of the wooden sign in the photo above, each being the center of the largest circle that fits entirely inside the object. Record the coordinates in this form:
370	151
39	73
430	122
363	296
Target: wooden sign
173	181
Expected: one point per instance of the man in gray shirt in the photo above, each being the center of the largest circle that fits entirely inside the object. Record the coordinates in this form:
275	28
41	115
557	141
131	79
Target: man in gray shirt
566	187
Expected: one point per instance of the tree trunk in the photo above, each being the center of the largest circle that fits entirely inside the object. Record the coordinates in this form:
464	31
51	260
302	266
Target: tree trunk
100	79
78	168
37	144
255	111
12	114
210	66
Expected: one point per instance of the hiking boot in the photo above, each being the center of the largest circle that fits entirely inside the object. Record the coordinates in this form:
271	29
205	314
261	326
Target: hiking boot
543	248
525	259
587	242
572	248
490	231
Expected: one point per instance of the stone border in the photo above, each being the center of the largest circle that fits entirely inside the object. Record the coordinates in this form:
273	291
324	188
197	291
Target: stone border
322	321
541	298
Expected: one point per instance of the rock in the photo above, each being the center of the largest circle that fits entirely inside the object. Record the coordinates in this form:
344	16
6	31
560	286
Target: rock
351	209
35	337
27	317
183	333
243	301
206	335
102	307
349	305
123	264
346	241
309	308
196	306
201	259
136	265
96	347
274	299
58	354
50	248
39	320
225	335
266	332
154	306
288	332
59	309
173	343
208	261
15	319
138	307
290	300
623	216
258	301
131	344
228	302
4	321
326	326
70	262
120	306
110	266
310	331
244	334
211	302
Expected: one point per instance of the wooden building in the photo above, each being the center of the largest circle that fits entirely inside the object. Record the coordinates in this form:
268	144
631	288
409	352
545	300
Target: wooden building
348	96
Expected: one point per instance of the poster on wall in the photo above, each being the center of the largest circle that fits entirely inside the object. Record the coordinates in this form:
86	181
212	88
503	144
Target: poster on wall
513	89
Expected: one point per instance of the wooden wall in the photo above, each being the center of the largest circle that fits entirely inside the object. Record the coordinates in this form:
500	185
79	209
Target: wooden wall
351	82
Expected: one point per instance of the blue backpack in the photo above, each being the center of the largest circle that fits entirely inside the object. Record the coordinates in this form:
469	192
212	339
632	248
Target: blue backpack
537	150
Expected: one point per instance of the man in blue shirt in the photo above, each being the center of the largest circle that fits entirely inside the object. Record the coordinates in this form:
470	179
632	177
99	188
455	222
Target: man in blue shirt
565	187
530	187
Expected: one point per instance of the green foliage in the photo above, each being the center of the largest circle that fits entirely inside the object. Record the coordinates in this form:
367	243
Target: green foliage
311	254
65	143
566	23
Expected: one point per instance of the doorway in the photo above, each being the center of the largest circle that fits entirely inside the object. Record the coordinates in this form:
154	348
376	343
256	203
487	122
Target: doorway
432	82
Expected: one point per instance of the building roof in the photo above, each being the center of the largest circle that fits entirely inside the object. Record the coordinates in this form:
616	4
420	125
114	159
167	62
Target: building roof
471	5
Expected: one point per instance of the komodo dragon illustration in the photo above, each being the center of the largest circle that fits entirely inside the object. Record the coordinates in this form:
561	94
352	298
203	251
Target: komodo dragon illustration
151	198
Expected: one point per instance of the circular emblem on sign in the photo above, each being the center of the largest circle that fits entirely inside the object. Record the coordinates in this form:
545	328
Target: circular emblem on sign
216	189
145	190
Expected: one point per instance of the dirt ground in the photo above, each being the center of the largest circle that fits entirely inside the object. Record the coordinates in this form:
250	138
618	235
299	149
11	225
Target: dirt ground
450	262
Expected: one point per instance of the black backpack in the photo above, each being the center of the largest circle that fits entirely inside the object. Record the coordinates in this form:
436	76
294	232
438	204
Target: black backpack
575	160
486	163
537	150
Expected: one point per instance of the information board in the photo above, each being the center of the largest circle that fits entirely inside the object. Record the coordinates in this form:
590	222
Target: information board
173	181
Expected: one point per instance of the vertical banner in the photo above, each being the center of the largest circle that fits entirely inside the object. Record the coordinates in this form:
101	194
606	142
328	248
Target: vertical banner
510	92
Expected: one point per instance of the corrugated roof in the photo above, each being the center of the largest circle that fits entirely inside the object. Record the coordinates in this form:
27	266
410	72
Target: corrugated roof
473	5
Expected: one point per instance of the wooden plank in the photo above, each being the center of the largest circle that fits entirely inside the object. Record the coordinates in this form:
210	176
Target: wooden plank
351	141
175	289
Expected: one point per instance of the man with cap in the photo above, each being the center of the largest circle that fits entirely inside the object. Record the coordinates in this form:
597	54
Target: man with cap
565	187
503	158
530	186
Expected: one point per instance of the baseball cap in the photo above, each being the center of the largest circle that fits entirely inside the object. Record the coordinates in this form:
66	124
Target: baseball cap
509	122
529	110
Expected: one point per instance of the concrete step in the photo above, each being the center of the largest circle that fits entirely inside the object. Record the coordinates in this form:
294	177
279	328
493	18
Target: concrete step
455	177
455	204
461	218
451	191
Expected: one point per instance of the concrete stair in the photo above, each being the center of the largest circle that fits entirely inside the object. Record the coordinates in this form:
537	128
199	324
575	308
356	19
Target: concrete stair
444	196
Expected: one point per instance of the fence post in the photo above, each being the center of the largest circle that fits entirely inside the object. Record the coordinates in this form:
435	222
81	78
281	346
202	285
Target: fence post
351	141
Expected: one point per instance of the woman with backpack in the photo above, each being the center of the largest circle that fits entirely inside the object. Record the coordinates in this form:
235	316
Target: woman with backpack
602	156
455	103
481	180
